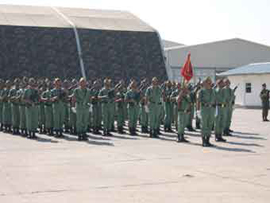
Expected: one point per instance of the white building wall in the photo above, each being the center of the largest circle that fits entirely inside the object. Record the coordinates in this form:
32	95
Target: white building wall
253	98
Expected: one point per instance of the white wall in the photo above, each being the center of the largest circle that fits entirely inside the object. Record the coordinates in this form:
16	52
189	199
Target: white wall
253	98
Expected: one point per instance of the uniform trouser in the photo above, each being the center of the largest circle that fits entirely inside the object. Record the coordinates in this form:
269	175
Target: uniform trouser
120	116
72	118
1	112
265	108
175	114
82	112
66	117
154	116
107	114
133	115
229	117
95	115
23	117
48	117
15	109
7	113
32	118
41	114
125	111
220	120
100	113
112	114
58	115
207	121
143	116
161	114
168	108
183	119
191	116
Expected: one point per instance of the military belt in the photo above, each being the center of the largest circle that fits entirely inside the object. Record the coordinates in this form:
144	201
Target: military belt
208	105
221	105
156	103
184	111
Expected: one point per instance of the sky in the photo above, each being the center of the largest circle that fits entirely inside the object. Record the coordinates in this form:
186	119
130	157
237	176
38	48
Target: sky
188	22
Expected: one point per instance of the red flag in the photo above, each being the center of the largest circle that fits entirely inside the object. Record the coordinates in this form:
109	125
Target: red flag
187	70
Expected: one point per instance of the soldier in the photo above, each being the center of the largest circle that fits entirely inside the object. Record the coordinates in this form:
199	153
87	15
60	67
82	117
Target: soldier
81	98
7	118
168	107
2	85
120	101
221	112
58	98
14	97
229	98
41	109
66	85
192	108
153	100
46	98
133	99
22	105
184	109
174	96
72	115
206	110
94	91
31	98
264	95
106	95
143	114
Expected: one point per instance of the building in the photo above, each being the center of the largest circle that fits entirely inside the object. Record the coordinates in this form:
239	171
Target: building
67	42
249	80
209	59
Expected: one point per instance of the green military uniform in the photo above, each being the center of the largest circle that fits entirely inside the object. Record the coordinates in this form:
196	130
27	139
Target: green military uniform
175	107
95	103
58	110
133	98
107	109
168	108
120	97
15	110
184	110
264	95
32	97
153	95
229	99
221	113
22	106
192	109
72	115
41	116
7	116
47	95
207	100
82	100
143	114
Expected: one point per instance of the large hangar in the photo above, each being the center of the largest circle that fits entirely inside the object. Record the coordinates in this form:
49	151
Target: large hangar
41	41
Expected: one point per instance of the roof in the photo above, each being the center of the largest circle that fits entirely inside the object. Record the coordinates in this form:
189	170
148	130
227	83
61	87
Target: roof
225	54
40	16
171	44
251	69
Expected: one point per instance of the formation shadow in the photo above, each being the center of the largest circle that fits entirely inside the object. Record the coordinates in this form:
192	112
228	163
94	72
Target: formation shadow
233	149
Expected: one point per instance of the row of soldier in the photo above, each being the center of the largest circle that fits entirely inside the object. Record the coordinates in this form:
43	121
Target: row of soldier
78	107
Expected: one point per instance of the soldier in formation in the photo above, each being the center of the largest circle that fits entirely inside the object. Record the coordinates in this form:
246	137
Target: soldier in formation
55	108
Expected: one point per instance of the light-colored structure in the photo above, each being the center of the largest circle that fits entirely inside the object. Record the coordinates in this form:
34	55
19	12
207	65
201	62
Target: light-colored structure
249	80
212	58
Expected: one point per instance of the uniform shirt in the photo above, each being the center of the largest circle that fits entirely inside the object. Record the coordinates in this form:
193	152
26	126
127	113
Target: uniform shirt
220	96
31	94
207	96
82	96
229	95
107	92
154	94
47	95
133	95
94	93
14	93
120	95
167	93
265	97
185	104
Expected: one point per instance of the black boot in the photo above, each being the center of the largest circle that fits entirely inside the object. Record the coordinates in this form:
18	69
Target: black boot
203	141
219	138
34	135
208	144
170	129
151	133
227	132
159	132
190	128
80	137
155	135
181	138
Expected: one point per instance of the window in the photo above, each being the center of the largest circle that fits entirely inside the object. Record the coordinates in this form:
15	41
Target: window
248	87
